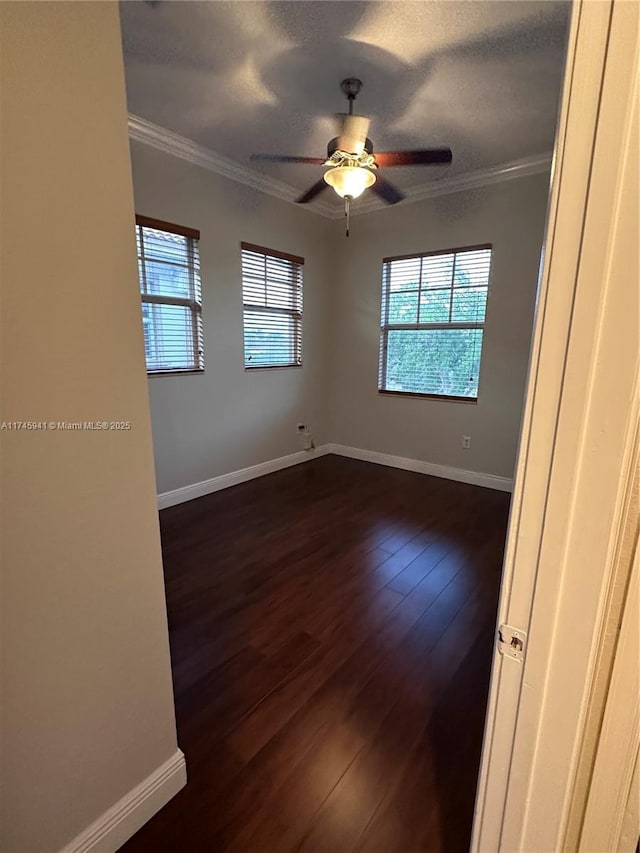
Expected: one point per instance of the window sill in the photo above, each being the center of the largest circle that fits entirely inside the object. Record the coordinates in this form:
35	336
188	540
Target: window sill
272	367
194	372
469	400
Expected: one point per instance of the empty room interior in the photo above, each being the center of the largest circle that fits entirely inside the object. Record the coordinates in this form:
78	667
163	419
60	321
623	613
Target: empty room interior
288	258
331	623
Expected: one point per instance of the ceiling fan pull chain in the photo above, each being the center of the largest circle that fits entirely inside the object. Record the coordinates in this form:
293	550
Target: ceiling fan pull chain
347	210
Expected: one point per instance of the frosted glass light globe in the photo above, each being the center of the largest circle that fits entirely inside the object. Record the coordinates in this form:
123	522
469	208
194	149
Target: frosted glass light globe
349	181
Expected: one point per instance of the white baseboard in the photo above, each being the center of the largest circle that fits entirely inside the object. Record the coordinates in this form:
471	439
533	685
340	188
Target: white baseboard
475	478
233	478
121	821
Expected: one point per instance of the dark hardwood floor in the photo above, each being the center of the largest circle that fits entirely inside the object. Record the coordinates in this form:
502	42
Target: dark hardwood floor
331	632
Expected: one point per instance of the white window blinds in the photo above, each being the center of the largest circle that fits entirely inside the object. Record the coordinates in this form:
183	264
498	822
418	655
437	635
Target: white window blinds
169	272
433	313
272	307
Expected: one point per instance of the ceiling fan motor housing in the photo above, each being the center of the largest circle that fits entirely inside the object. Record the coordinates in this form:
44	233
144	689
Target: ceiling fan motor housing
333	146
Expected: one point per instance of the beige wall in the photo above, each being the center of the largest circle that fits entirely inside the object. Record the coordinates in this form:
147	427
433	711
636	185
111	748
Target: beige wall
86	693
511	216
229	418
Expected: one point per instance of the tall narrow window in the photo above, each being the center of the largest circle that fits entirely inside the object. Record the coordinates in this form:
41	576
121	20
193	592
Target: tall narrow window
433	312
169	271
272	303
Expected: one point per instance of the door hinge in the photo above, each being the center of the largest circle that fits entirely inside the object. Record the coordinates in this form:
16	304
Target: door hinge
512	642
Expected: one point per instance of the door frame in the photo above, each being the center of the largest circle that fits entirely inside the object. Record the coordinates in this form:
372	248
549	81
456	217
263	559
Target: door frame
580	414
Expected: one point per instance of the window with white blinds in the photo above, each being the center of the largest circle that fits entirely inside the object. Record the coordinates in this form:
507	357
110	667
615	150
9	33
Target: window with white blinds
169	272
272	307
433	313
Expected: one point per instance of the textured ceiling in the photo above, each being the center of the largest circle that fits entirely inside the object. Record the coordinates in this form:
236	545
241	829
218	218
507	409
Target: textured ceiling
242	77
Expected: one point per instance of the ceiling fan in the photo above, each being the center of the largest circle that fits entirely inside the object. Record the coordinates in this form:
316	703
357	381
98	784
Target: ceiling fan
353	166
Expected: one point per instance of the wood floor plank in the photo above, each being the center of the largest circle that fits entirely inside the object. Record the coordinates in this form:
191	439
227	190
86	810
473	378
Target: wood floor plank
331	630
408	820
347	811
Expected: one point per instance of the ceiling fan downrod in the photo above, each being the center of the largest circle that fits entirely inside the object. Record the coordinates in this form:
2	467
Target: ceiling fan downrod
351	86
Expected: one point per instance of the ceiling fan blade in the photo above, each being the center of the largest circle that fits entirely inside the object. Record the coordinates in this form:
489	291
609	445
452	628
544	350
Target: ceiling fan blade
354	134
312	192
386	190
283	158
424	157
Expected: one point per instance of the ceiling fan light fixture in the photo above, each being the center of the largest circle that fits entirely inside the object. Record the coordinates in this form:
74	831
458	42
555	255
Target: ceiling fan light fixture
349	181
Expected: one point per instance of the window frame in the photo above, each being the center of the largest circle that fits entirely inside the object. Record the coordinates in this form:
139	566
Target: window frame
296	316
386	327
194	305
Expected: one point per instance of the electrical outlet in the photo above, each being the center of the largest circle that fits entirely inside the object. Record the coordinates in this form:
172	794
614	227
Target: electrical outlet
466	442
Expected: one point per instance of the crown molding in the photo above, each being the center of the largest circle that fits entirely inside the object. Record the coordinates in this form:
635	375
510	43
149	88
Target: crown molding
165	140
467	181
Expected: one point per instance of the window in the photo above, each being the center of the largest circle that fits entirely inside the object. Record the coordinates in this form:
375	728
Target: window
169	271
433	310
272	301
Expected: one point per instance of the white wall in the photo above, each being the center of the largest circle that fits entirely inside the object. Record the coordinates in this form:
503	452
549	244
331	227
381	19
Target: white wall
228	418
510	216
86	685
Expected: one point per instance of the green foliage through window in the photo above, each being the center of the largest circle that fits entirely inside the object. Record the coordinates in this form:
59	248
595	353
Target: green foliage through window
433	313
